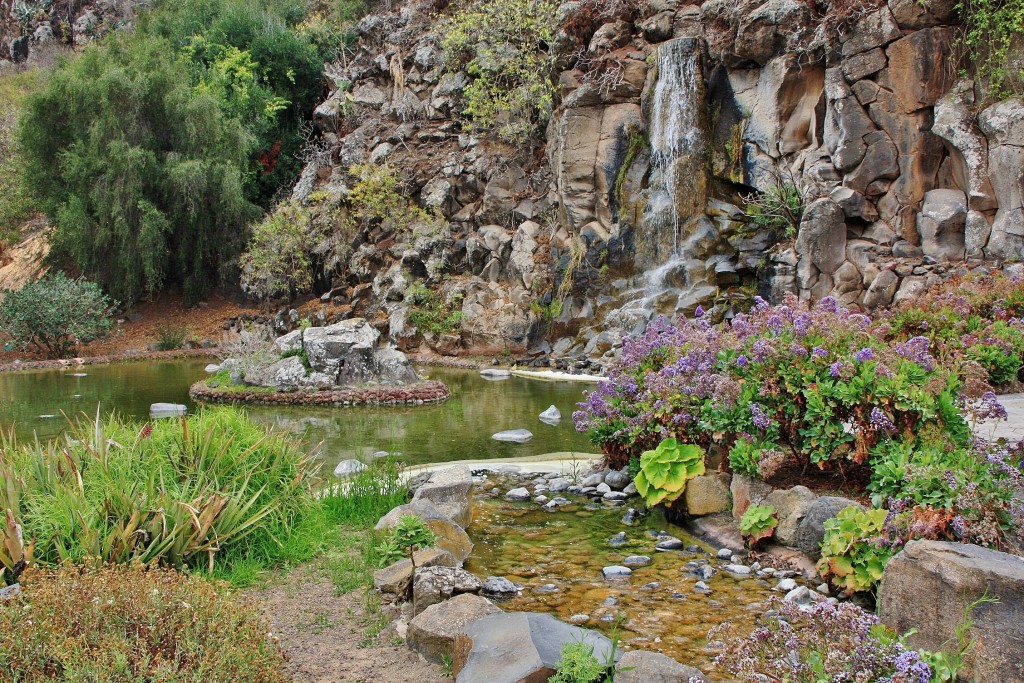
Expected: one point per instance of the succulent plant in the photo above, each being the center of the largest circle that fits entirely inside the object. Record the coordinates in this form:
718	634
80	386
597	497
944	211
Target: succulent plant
758	523
665	470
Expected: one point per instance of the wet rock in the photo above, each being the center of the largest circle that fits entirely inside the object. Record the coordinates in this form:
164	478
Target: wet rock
521	647
513	436
491	373
631	517
637	561
432	585
724	554
701	587
579	619
617	480
618	540
707	495
161	410
520	493
347	468
212	368
668	543
499	587
952	575
547	588
432	632
616	496
551	416
616	572
638	666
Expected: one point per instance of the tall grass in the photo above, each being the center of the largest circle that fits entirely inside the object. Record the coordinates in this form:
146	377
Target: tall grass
183	492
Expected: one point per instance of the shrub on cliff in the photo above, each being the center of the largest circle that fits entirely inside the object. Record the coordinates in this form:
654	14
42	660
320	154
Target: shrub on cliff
153	151
55	314
132	623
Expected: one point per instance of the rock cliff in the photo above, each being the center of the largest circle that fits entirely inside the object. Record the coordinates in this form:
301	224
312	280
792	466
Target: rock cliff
671	124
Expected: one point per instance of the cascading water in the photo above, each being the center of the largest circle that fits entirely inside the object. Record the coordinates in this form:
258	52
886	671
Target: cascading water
673	242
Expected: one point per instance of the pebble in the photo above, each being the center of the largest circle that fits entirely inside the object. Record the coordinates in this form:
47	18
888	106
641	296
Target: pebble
518	494
618	539
616	572
610	601
652	586
724	554
546	588
786	585
630	490
637	561
540	488
592	480
801	595
602	488
701	587
738	569
631	517
540	499
615	495
499	586
693	549
579	619
668	543
824	589
559	485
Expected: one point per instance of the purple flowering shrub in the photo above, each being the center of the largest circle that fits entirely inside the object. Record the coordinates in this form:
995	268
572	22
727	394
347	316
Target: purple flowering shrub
824	643
786	385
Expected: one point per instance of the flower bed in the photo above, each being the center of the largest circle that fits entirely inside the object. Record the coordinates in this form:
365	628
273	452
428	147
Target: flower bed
431	391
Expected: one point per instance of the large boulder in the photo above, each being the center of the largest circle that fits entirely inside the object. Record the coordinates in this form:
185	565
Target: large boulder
1003	126
790	507
432	632
770	29
810	532
822	235
448	490
449	536
638	666
707	494
745	491
941	224
394	579
432	585
926	588
521	647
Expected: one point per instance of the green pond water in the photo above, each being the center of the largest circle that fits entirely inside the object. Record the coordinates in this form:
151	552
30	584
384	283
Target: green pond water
568	548
459	429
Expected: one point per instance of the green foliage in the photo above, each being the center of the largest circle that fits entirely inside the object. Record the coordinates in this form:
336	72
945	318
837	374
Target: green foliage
430	314
946	663
745	457
991	35
547	312
404	539
170	337
758	523
577	664
665	470
302	355
850	556
779	209
55	314
183	492
505	48
16	204
277	262
132	623
152	151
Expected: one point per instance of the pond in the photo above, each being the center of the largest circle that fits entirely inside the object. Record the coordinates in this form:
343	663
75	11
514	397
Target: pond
459	429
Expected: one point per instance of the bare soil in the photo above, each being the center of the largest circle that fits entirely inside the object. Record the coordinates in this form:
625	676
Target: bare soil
330	638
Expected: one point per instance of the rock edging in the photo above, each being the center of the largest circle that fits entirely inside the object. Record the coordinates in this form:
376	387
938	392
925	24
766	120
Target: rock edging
176	354
431	391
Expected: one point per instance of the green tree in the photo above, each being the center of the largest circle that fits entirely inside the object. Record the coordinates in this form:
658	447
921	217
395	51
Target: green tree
55	314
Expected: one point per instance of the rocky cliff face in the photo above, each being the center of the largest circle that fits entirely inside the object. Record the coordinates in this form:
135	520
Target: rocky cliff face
669	117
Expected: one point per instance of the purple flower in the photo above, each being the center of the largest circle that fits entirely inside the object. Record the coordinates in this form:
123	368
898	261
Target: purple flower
699	313
742	361
881	421
864	354
836	369
818	352
760	418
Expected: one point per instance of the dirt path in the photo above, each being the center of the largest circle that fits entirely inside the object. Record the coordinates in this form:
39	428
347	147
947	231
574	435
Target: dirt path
329	638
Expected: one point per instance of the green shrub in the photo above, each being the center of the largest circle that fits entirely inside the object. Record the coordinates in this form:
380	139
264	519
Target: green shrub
170	337
665	471
430	314
758	523
368	495
184	492
16	204
577	664
991	33
850	555
152	151
505	48
404	539
779	209
132	623
55	314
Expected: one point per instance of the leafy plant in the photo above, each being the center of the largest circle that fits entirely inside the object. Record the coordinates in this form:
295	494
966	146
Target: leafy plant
850	557
170	337
990	32
16	205
404	540
430	314
946	664
758	523
55	314
131	622
665	470
780	208
577	664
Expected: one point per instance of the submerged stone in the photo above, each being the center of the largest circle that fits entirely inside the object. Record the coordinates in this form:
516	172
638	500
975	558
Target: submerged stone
616	572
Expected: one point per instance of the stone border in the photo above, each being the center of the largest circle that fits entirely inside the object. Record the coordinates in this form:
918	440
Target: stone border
431	391
176	354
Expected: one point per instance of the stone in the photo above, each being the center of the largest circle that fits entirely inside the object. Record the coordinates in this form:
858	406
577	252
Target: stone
910	289
499	587
746	490
492	373
951	576
348	468
602	488
707	494
432	632
790	507
724	553
618	540
551	416
668	543
871	30
520	493
955	123
738	569
882	290
161	410
513	436
637	561
521	647
212	368
785	585
864	64
917	73
448	490
616	572
394	579
617	479
801	595
811	530
854	204
639	666
941	224
916	14
559	484
822	235
432	585
904	249
770	29
881	161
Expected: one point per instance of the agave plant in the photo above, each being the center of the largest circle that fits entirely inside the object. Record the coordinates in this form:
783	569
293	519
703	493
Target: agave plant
758	523
665	471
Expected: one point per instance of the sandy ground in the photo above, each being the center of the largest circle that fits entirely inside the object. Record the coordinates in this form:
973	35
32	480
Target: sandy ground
330	638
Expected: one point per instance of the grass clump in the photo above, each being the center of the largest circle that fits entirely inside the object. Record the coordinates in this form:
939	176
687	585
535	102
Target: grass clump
170	337
181	492
132	623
